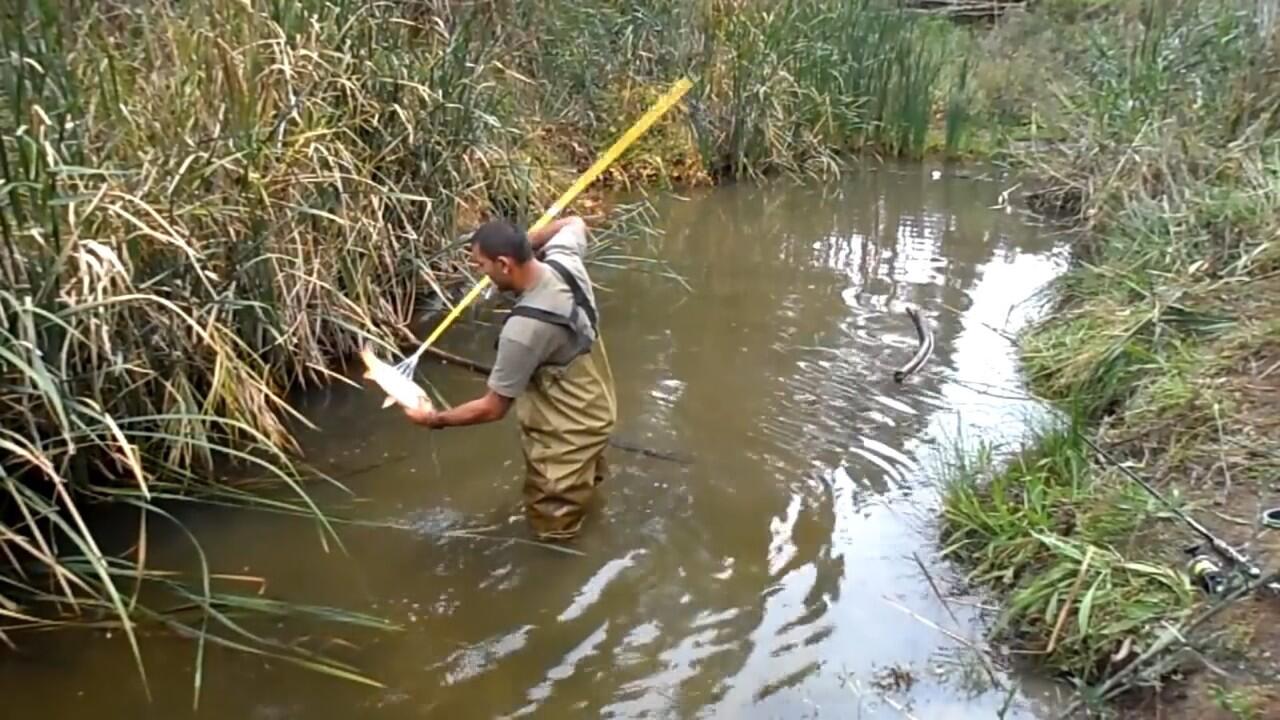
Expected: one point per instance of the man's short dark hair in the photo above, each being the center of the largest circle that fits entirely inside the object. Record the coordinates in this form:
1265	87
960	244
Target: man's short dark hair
499	238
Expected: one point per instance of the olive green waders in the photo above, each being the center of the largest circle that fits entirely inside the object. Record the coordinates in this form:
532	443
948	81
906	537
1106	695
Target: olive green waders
566	416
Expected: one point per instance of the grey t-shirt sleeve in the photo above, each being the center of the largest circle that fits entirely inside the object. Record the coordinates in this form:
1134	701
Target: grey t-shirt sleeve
512	368
571	239
523	345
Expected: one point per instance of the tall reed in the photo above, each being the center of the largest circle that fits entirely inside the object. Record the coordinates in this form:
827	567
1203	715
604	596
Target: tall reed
803	82
205	203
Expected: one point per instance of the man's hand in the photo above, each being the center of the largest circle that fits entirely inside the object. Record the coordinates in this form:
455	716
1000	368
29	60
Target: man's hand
423	414
486	408
539	237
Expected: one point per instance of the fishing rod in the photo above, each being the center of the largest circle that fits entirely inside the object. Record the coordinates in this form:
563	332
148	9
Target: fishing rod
1217	543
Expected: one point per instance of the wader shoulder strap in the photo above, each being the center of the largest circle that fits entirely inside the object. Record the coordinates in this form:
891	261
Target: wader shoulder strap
581	340
544	315
579	297
584	341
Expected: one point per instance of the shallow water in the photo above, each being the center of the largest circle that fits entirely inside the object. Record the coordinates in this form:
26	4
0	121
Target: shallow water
756	582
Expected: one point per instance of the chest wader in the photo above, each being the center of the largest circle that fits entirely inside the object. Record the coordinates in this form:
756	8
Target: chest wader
565	416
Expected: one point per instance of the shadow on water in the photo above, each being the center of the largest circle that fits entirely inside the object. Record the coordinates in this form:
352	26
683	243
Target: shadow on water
754	582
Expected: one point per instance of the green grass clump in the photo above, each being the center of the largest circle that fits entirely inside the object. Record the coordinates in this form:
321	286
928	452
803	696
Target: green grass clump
1166	290
1027	529
1175	161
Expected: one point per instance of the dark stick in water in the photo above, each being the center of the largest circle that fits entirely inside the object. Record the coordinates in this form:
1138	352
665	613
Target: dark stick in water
925	336
482	369
650	452
472	365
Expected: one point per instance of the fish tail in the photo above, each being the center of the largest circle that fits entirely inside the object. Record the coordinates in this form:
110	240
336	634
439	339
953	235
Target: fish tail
368	357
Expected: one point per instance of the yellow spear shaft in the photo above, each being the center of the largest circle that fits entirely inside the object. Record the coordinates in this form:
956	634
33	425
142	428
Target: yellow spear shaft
663	104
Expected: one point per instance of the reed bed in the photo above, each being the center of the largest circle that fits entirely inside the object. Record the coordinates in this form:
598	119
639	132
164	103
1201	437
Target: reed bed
205	205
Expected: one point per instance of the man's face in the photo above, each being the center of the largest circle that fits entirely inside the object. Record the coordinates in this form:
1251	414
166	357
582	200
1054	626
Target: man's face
499	270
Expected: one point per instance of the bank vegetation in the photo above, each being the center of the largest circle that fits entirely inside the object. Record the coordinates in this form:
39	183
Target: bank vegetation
1157	138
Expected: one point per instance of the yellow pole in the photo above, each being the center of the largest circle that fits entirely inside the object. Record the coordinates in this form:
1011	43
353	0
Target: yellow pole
663	104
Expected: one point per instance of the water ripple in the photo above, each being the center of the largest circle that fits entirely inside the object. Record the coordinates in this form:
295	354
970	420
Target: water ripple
564	669
471	661
593	588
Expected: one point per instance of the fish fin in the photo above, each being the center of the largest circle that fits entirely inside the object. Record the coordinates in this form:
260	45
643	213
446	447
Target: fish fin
366	356
388	402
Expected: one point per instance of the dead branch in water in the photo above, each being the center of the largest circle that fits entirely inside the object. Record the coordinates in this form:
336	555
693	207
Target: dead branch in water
650	452
473	365
925	337
936	592
482	369
977	652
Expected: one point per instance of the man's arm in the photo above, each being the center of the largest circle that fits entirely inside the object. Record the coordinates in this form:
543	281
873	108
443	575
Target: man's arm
511	372
539	237
487	408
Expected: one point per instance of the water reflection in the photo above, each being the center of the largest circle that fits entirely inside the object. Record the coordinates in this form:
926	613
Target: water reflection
751	583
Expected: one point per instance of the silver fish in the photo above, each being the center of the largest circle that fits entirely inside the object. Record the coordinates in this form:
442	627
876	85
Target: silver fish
399	389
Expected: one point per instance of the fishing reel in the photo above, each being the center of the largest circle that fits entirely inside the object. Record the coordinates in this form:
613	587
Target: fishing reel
1205	570
1209	575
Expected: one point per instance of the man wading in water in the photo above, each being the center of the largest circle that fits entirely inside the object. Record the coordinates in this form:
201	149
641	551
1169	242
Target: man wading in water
549	364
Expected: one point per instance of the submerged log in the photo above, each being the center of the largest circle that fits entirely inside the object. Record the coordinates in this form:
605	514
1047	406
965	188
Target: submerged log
925	338
473	365
480	368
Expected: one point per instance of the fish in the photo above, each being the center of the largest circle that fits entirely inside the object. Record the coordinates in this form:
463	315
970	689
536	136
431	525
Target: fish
399	389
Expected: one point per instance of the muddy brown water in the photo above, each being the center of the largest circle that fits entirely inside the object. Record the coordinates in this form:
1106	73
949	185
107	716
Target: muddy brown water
758	581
